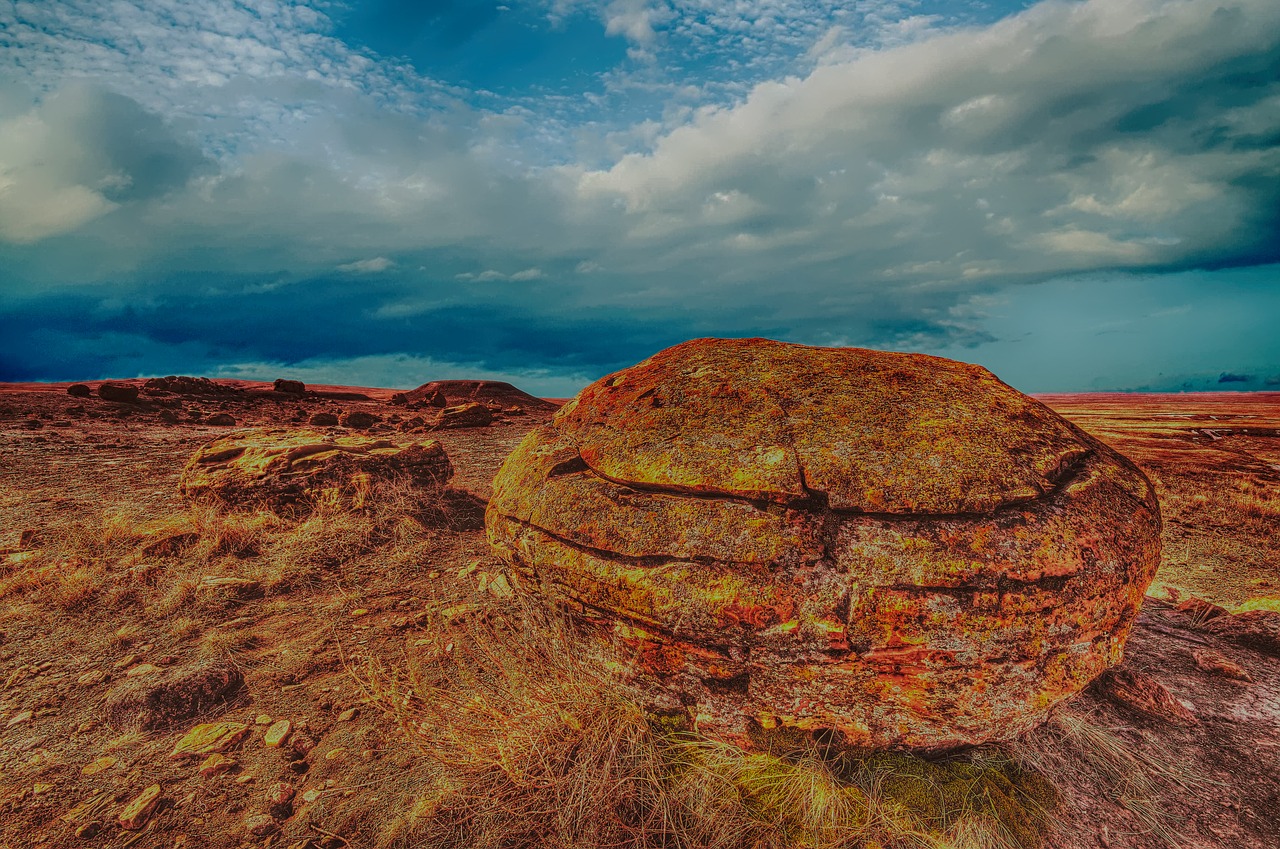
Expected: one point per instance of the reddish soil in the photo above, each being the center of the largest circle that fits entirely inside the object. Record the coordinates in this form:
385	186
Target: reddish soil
305	642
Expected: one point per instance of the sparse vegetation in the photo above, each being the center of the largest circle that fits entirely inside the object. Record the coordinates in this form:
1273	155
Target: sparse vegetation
534	743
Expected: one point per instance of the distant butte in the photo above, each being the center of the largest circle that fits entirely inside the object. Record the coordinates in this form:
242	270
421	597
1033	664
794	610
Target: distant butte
489	392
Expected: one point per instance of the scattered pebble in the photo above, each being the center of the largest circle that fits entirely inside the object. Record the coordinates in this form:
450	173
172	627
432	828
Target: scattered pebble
216	764
335	754
209	738
277	734
348	714
92	677
264	719
133	816
98	765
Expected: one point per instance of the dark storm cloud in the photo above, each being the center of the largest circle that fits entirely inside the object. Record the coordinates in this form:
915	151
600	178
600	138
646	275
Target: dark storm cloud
878	199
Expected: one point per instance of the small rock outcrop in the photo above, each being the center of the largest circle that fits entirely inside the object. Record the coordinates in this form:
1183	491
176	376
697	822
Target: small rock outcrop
465	415
180	694
895	546
283	468
182	384
359	419
289	387
121	393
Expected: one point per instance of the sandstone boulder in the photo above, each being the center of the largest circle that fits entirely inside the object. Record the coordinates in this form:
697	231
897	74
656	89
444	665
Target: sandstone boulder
78	390
465	415
359	419
121	393
289	387
895	546
299	467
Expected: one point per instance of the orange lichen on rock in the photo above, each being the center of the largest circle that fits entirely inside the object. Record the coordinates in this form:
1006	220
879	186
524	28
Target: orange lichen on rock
896	546
263	467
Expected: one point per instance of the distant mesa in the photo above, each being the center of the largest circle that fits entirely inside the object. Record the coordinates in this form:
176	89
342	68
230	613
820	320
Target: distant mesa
303	468
492	393
895	546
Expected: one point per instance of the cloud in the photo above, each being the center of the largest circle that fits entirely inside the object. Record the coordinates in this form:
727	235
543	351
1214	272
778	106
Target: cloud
367	266
80	155
868	194
1230	377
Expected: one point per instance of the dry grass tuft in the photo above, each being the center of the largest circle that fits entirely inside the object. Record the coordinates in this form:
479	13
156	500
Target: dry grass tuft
534	743
1075	748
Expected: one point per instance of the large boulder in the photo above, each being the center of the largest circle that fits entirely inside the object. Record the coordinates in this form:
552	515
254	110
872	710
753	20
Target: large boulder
895	546
289	387
120	393
302	467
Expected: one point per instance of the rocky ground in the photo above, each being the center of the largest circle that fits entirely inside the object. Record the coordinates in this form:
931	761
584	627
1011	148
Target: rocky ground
129	619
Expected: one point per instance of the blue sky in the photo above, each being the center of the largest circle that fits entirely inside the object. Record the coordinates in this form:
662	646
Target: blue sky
1078	196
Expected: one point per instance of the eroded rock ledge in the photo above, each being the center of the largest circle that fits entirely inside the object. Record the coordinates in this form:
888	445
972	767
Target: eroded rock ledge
896	546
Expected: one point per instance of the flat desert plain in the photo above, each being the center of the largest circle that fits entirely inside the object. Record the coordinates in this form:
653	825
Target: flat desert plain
304	632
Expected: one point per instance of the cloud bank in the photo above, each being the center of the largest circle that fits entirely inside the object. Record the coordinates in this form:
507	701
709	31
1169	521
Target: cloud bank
250	189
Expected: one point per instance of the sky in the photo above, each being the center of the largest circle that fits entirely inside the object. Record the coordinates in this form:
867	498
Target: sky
1079	196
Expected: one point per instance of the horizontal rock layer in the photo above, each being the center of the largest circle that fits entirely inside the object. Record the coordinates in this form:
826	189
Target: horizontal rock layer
266	467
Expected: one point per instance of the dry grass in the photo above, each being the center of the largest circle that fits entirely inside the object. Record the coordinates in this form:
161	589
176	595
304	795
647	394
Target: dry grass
535	744
1075	748
158	566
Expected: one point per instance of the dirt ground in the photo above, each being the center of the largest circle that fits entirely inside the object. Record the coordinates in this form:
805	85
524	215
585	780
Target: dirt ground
99	595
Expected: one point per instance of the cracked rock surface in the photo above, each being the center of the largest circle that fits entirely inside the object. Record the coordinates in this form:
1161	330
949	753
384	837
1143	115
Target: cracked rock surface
896	546
274	467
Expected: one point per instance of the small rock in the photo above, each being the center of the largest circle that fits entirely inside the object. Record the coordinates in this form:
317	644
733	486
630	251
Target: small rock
261	825
359	419
323	420
18	718
1257	629
1142	693
89	829
208	738
39	789
126	661
360	611
302	743
141	669
348	714
1210	661
78	390
92	677
244	779
311	795
221	420
335	754
277	734
216	764
263	719
281	793
133	816
98	765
